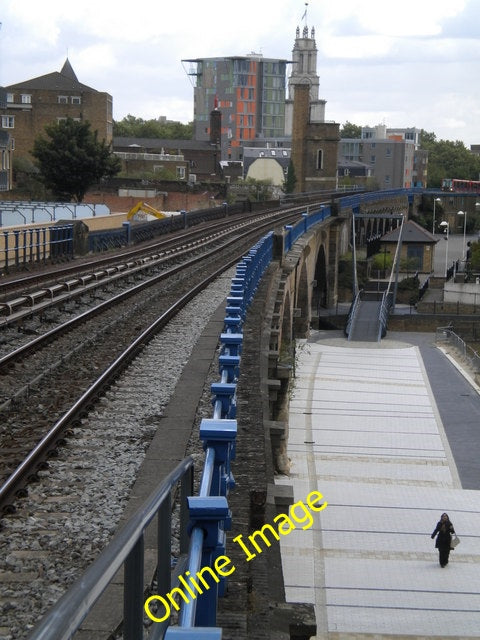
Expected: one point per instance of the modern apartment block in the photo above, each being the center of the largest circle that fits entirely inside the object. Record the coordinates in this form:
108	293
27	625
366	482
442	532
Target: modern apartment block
392	155
35	103
249	92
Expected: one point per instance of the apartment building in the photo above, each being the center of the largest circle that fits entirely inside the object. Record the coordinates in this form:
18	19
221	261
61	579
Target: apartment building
35	103
392	155
249	93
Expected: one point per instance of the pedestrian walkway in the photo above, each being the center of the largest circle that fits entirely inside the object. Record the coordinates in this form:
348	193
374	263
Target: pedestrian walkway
366	431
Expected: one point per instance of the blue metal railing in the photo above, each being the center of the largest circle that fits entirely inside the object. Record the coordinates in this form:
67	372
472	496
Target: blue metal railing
20	247
293	232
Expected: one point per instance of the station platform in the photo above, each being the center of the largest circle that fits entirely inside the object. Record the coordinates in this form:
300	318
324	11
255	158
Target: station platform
389	433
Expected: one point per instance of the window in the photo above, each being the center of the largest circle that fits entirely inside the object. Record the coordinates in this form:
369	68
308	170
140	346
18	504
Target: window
415	256
76	100
10	97
26	98
319	159
62	99
181	173
8	122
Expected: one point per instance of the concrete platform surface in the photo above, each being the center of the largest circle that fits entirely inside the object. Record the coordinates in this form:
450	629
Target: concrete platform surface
366	431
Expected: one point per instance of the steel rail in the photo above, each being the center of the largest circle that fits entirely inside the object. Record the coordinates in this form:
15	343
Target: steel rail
132	254
54	333
19	478
38	301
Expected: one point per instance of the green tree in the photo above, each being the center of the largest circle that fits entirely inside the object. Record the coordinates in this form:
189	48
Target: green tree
132	127
350	130
448	159
290	179
71	159
382	261
475	256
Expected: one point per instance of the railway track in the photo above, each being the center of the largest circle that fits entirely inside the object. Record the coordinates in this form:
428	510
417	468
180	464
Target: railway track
44	378
74	508
22	298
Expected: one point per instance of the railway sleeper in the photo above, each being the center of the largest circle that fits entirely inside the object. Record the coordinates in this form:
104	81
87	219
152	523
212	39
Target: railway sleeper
55	290
10	306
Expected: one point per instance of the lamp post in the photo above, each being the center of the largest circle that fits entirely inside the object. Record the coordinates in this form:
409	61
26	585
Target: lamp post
435	200
464	214
445	226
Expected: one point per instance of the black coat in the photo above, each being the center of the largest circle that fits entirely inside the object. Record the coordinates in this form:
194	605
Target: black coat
444	531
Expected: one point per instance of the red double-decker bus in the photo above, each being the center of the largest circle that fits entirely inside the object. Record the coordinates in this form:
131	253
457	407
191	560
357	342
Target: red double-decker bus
453	184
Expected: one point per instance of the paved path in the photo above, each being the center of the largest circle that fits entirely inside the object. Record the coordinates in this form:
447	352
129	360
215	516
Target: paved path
387	433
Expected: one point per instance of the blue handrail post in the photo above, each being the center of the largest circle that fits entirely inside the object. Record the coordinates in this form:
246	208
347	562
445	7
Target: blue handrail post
229	365
233	342
17	245
5	235
288	237
127	227
224	393
220	435
212	515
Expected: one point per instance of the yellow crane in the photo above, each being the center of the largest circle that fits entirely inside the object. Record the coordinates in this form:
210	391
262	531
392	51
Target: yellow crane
146	208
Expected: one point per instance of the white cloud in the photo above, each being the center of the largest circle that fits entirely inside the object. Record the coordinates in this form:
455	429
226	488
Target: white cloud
412	63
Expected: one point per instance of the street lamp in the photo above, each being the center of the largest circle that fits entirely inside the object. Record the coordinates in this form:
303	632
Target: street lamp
445	227
464	214
435	200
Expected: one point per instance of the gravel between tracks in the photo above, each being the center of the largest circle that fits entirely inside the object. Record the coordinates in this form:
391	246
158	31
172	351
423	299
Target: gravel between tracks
71	514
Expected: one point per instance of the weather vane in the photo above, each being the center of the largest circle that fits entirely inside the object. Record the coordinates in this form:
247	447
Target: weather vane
305	12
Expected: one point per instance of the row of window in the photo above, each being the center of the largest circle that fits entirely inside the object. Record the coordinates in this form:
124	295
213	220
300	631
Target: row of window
26	98
8	122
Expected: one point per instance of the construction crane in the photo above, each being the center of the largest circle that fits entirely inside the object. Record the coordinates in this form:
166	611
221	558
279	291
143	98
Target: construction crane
146	208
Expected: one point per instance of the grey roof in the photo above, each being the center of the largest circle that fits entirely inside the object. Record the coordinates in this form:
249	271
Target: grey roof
267	152
412	233
158	143
64	80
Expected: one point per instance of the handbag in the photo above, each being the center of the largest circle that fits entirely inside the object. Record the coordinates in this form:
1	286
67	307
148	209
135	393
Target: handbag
455	542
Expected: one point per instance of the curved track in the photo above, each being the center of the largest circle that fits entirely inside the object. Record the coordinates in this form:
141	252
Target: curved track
54	378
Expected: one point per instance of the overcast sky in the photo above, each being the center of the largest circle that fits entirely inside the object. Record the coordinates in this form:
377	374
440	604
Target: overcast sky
408	63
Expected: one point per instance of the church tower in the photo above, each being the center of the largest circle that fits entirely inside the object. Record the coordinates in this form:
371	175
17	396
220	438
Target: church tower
304	71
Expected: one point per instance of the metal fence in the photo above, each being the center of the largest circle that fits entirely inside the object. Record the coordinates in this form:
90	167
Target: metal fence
19	248
448	336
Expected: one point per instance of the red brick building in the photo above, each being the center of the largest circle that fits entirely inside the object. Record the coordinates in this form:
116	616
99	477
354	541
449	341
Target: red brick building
35	103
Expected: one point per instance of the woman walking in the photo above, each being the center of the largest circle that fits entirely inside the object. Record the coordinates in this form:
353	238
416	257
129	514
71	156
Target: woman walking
443	531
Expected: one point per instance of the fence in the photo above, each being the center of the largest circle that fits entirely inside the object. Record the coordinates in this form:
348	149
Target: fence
34	245
447	335
16	213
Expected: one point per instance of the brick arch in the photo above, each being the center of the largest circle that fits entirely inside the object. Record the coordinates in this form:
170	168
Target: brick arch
301	316
320	287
